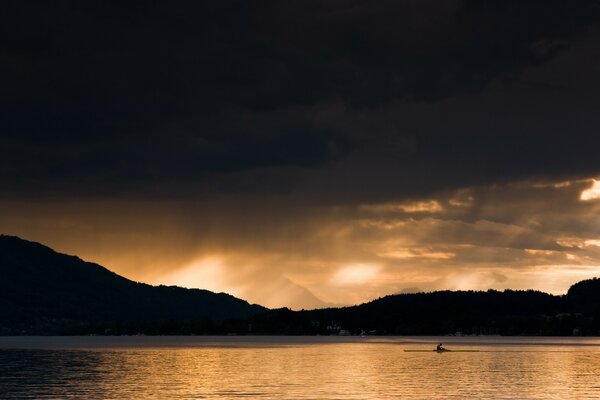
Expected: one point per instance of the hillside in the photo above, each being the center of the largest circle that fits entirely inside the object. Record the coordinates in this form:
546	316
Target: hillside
45	292
509	312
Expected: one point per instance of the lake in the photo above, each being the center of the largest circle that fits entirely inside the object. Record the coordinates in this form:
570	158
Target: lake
143	367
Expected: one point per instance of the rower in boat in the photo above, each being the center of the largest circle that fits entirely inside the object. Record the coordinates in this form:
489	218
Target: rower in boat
440	348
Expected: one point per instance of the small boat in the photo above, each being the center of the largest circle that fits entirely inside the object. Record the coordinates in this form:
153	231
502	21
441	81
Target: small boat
442	351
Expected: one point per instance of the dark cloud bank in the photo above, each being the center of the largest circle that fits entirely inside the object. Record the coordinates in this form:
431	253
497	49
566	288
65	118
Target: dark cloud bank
115	95
352	148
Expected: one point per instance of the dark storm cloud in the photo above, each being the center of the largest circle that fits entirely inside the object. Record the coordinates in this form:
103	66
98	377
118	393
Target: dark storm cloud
150	92
291	151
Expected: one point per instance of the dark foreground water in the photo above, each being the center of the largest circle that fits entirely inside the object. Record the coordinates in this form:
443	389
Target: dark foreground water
297	368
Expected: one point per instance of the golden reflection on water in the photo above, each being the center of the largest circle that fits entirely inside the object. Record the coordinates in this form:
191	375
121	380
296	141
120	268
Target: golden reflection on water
368	369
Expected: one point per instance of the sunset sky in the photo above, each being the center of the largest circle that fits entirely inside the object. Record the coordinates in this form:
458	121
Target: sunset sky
307	153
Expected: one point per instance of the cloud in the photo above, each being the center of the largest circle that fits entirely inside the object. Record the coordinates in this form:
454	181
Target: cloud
448	143
591	193
132	98
431	206
517	235
357	274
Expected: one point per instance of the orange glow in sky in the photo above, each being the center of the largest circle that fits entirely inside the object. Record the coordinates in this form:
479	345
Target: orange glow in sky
520	236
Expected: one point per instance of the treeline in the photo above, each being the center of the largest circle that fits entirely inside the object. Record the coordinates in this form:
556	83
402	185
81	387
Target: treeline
441	313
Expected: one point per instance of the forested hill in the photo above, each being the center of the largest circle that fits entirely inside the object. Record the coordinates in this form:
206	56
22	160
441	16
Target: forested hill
44	292
493	312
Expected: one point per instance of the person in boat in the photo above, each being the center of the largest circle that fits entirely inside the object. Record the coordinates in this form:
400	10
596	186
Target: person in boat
440	347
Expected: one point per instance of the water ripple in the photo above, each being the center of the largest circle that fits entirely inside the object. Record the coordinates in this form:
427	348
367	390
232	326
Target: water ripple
296	368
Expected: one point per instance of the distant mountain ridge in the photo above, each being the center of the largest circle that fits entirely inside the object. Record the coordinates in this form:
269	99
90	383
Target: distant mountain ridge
45	292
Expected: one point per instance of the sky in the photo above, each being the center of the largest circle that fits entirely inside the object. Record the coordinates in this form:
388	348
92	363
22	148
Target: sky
307	153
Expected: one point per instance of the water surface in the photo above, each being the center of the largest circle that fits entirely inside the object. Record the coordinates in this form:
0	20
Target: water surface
297	368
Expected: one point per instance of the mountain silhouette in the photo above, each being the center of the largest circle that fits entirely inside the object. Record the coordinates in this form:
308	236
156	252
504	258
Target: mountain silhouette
48	293
45	292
